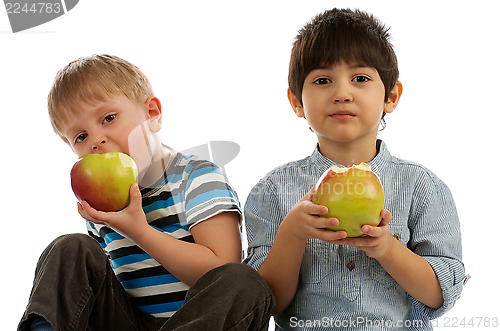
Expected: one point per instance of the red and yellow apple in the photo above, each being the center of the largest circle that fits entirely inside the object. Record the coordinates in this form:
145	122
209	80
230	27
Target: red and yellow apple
354	196
104	180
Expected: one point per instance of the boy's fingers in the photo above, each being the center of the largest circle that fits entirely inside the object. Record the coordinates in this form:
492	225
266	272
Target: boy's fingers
90	214
323	222
319	210
82	212
333	237
369	230
376	231
314	209
373	231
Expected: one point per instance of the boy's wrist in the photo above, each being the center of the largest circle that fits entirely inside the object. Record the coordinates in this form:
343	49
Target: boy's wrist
141	234
390	253
289	229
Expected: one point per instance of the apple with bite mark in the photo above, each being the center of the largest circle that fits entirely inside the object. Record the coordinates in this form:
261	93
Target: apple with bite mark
354	196
104	180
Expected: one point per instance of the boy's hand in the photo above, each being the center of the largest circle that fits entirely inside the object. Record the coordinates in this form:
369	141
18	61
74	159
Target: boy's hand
303	221
129	222
377	241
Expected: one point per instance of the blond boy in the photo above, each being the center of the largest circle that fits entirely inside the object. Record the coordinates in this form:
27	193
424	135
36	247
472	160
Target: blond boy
174	251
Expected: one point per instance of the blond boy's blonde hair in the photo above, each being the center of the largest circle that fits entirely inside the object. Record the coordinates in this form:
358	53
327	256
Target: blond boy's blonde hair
91	79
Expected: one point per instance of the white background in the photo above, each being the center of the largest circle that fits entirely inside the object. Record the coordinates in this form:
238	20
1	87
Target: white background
220	69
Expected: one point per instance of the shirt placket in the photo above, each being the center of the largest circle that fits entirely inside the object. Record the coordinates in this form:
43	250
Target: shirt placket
351	281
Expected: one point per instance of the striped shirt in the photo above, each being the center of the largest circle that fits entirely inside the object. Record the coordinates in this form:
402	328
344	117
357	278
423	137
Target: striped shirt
339	286
191	191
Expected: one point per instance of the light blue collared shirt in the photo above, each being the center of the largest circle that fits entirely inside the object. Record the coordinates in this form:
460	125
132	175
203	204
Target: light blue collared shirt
339	286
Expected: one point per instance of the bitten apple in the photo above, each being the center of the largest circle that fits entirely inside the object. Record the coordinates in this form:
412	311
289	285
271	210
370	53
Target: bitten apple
354	196
104	180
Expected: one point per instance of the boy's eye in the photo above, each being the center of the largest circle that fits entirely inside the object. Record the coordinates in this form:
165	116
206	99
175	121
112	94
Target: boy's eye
322	81
81	138
360	79
109	118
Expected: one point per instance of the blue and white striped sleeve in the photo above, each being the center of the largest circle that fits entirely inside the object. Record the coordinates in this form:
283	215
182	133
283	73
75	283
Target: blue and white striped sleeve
208	193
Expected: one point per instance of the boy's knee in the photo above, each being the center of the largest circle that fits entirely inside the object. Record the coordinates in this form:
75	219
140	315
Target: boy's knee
248	290
236	282
74	243
71	249
236	271
242	277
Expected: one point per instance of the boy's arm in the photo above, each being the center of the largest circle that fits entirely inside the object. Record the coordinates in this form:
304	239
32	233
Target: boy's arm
413	273
217	239
281	268
430	267
282	265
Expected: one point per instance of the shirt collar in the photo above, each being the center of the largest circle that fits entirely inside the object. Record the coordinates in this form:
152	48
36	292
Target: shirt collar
376	164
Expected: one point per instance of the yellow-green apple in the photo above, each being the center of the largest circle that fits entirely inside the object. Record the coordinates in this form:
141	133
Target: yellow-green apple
353	195
104	180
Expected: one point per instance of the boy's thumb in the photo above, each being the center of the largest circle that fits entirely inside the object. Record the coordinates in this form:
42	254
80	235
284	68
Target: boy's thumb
135	192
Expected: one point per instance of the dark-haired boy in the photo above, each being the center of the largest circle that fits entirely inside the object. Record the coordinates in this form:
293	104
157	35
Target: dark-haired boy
343	79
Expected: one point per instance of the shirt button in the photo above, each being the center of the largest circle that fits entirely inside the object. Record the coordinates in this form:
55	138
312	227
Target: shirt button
350	265
466	279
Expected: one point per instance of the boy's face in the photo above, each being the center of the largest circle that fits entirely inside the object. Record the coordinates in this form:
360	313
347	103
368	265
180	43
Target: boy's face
102	127
343	102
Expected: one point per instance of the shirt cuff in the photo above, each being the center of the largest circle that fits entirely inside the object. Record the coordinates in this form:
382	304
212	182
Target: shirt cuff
452	278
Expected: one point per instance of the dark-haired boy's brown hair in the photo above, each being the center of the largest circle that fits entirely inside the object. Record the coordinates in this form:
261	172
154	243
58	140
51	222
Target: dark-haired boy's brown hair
342	34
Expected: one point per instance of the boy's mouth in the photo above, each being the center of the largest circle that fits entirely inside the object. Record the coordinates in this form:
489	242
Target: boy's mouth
342	114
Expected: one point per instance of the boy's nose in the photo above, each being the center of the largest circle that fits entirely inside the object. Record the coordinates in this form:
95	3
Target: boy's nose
342	99
98	144
342	94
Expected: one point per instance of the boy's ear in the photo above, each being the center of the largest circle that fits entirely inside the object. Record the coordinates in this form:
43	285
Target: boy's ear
295	103
153	105
394	96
